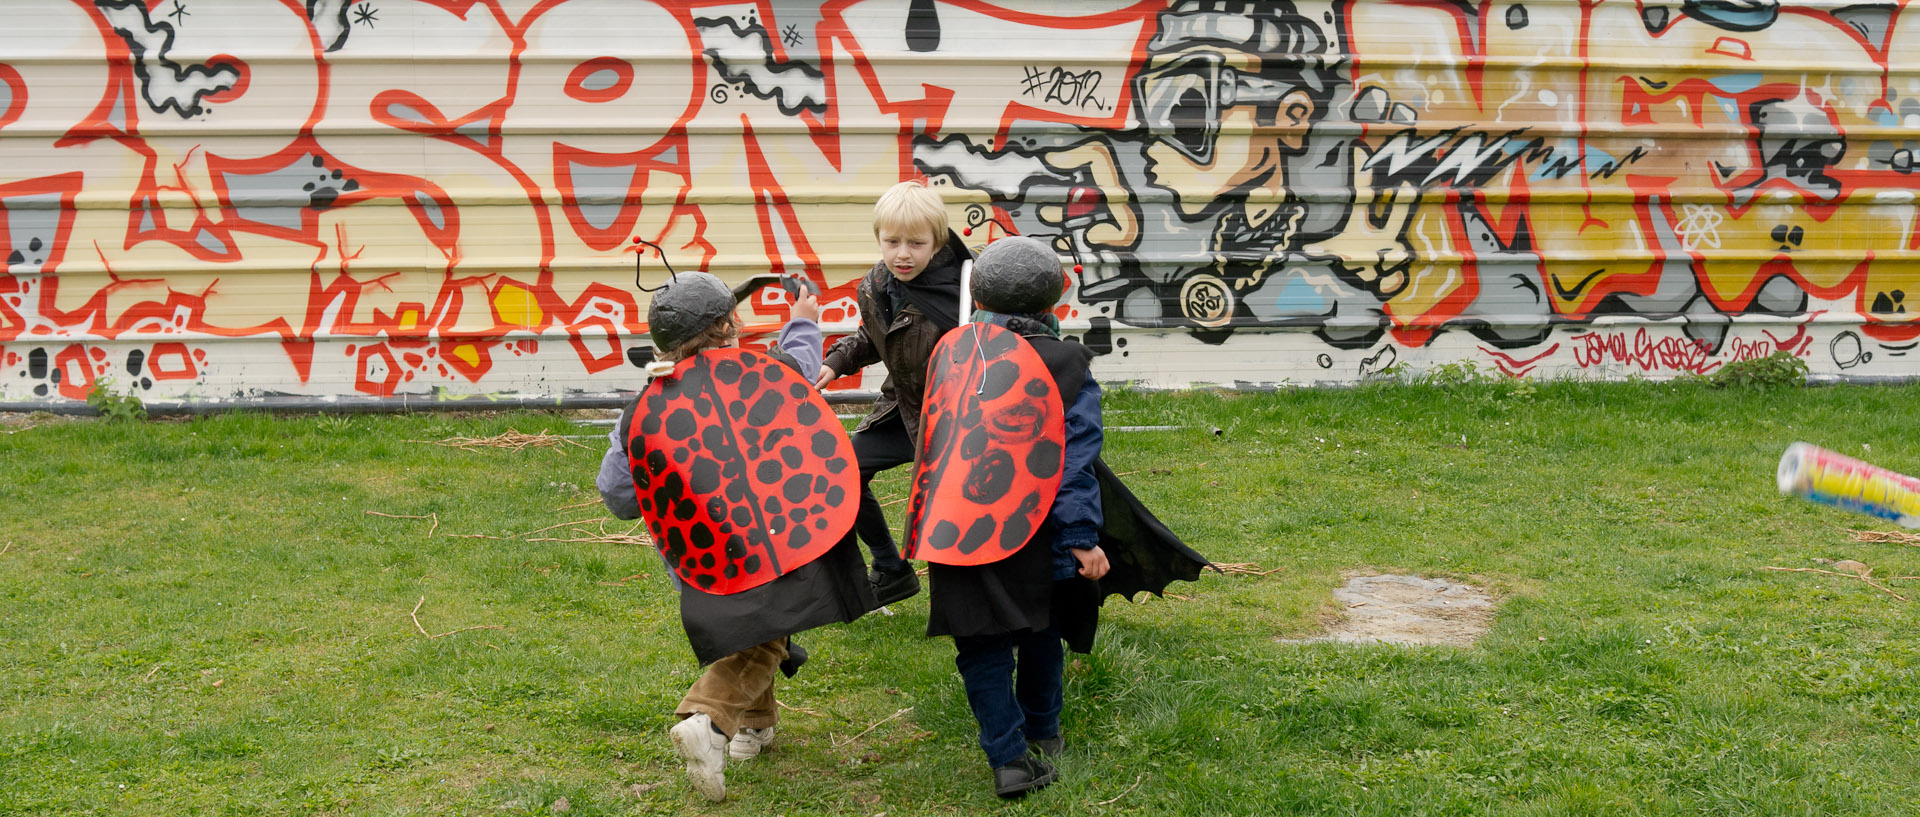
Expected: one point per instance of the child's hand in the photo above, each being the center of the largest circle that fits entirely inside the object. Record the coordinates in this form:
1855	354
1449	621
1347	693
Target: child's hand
805	305
1093	562
827	374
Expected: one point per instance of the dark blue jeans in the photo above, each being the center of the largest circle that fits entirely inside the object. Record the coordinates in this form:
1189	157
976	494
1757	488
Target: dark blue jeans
1013	684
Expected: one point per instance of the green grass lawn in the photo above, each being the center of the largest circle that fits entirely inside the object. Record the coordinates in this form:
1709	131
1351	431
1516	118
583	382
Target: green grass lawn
202	617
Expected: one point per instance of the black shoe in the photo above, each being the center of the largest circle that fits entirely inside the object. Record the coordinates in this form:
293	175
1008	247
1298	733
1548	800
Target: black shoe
1048	747
889	586
1021	776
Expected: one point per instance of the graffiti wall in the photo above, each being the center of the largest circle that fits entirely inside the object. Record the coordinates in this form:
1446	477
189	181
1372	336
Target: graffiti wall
229	201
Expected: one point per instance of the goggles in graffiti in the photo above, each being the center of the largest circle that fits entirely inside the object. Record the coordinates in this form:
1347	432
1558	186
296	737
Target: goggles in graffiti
1180	101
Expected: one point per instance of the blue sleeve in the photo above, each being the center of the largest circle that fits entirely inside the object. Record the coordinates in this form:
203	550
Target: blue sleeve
801	339
615	479
1076	513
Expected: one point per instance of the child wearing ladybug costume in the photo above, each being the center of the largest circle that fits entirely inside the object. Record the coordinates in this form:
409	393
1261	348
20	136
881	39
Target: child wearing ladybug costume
749	487
1024	528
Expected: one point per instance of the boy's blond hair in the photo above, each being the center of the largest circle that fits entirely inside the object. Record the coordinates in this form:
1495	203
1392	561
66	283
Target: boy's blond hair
909	207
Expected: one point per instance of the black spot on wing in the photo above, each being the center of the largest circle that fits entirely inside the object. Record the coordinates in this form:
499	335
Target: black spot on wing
1020	525
766	409
997	343
681	425
797	488
974	444
824	444
1000	377
989	478
979	533
799	538
676	549
1043	460
706	476
944	535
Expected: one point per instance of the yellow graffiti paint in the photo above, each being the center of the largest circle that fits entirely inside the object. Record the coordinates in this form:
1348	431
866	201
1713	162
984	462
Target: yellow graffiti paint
517	306
466	353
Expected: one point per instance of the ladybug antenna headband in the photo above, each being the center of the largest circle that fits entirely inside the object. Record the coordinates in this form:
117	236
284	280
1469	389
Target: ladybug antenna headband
639	266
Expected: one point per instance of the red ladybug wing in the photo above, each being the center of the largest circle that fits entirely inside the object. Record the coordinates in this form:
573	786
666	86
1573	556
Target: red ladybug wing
742	471
993	441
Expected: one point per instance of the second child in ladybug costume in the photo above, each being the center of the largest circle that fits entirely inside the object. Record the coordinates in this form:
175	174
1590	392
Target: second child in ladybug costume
1024	528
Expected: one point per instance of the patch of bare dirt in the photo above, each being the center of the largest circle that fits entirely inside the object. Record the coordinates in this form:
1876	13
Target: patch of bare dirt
1402	609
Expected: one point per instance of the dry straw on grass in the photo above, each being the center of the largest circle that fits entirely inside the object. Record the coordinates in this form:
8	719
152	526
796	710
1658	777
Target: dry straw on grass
1885	537
1244	569
512	440
1865	574
415	615
837	743
634	535
433	516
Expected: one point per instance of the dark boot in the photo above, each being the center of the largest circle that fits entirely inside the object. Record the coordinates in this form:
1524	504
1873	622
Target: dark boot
1021	776
890	586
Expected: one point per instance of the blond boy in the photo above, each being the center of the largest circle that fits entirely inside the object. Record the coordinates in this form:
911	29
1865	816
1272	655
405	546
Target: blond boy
907	301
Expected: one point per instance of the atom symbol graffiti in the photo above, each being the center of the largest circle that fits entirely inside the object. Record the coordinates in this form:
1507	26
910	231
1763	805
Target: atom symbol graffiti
1700	226
365	14
179	12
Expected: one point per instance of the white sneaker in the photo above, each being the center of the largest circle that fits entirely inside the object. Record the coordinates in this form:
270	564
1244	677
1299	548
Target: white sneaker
748	742
706	754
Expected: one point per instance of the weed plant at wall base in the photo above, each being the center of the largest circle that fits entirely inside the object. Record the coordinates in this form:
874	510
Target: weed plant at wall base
1773	371
113	406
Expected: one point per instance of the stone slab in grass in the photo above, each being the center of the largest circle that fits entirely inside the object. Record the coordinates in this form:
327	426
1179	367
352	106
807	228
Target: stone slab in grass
1401	609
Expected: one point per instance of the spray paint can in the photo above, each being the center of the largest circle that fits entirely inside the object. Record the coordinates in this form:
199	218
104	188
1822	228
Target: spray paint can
1814	473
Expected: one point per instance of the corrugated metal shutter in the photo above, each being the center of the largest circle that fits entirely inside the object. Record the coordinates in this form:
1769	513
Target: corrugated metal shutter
228	202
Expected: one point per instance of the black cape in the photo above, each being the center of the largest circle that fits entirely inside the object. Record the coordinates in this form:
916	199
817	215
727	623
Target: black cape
827	590
1018	592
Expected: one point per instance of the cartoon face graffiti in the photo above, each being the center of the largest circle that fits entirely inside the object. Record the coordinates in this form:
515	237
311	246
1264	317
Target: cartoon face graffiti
1219	129
1189	218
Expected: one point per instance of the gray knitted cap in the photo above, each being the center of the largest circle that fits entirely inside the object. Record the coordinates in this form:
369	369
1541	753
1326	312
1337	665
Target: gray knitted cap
1017	276
688	304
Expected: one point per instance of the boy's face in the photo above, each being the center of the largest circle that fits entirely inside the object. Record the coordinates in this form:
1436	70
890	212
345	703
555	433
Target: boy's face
905	252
